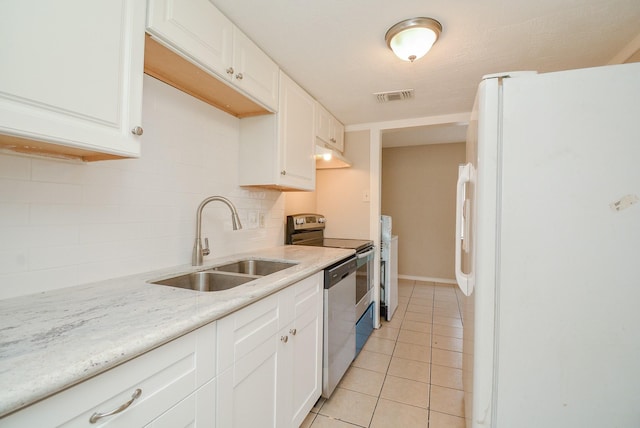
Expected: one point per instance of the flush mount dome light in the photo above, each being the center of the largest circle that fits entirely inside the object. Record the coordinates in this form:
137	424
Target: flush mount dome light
412	38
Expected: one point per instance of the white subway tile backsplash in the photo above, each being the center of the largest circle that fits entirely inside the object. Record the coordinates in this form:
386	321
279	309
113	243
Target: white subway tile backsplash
63	171
55	257
63	223
12	261
14	214
24	237
38	192
54	214
15	167
23	283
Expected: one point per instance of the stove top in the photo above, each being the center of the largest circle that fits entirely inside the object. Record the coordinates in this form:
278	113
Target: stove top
351	244
308	229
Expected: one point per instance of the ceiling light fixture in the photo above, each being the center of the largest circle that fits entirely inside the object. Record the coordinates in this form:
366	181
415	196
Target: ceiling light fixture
412	38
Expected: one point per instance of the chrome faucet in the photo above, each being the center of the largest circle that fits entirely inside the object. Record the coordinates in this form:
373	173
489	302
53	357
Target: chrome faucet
198	250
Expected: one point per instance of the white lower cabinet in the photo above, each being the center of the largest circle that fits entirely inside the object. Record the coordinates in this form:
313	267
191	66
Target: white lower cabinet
270	359
150	384
303	369
197	410
260	366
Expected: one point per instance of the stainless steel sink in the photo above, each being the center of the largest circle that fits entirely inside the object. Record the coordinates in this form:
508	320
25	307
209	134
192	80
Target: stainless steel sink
206	281
225	276
254	267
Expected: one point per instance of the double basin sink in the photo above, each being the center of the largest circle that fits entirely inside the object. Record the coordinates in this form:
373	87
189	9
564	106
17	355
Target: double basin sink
227	276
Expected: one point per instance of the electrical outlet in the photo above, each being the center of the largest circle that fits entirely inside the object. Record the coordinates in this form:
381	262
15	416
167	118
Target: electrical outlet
365	196
252	219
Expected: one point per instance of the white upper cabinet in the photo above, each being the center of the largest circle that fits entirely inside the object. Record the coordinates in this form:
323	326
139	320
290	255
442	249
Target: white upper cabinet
329	130
71	77
194	28
197	31
277	151
253	71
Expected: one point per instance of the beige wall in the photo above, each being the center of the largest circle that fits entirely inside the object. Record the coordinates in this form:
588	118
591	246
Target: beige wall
419	192
339	192
300	202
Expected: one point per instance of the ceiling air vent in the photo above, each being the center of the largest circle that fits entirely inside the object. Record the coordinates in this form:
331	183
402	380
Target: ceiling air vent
385	97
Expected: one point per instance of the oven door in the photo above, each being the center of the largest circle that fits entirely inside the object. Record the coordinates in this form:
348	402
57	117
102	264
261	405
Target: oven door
364	281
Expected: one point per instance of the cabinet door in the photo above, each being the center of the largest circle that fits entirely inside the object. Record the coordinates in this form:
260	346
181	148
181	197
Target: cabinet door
71	73
254	72
196	30
297	139
323	124
328	130
306	338
337	135
300	352
248	354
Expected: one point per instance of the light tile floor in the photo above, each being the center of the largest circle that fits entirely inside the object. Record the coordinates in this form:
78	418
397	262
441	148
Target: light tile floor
409	373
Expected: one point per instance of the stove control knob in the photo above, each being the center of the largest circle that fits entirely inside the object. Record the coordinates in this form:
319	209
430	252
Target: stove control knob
299	221
321	220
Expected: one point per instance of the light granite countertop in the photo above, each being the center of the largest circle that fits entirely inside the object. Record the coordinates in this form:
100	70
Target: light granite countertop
52	340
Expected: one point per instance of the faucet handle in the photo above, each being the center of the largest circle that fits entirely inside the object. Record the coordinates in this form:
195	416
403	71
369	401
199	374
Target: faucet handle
205	248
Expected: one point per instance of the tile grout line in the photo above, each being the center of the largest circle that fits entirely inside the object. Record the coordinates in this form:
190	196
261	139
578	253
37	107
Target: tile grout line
433	307
386	373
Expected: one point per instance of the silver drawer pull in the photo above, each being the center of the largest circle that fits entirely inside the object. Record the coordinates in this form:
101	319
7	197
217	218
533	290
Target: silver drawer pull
97	416
293	331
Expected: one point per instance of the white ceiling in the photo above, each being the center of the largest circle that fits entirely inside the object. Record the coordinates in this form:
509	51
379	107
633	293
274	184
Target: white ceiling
335	49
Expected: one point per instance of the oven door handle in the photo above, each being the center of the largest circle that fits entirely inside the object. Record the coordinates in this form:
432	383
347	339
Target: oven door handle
366	254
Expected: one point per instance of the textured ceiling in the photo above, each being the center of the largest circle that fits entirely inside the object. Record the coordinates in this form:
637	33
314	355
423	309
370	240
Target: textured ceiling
335	49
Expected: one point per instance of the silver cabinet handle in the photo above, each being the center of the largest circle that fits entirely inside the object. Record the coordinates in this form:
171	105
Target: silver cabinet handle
230	70
285	339
137	130
293	331
97	416
239	76
283	172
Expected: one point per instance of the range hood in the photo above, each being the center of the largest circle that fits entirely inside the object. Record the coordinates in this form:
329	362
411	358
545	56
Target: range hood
327	158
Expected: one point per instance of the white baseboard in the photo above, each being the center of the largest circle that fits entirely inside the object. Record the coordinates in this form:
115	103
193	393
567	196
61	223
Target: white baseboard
428	279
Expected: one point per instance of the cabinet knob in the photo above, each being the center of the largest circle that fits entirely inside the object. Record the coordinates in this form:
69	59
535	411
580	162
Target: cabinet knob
285	339
283	172
137	130
239	76
293	331
230	70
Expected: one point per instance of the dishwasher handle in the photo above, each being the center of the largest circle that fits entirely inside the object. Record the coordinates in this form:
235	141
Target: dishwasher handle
339	271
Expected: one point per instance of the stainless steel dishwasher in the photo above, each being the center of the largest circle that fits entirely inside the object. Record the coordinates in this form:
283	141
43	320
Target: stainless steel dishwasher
339	322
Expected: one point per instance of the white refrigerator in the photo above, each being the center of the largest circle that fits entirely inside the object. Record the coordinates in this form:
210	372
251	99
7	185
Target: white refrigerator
548	250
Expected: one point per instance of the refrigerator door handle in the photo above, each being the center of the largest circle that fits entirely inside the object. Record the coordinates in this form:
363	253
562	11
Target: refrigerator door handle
464	280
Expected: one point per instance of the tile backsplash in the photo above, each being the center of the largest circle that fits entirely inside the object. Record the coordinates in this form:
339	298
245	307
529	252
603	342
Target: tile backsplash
64	223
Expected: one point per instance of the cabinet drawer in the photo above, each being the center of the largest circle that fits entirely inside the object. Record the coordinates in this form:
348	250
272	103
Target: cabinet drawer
164	376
